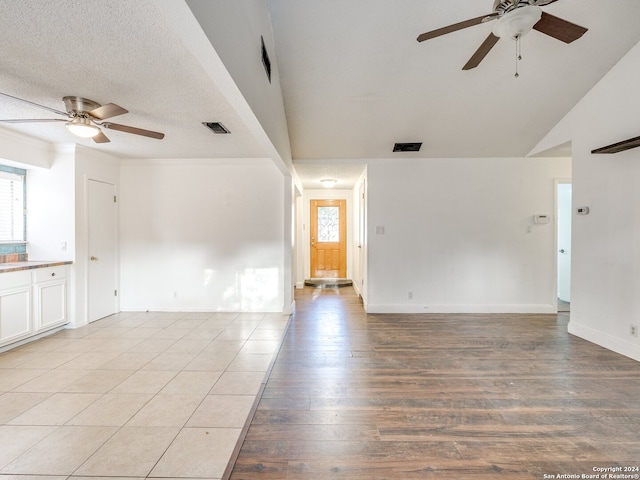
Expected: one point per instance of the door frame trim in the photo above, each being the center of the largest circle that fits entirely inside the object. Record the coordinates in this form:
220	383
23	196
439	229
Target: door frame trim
343	227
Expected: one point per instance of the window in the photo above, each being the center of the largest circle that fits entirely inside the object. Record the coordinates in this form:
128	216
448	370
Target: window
12	204
328	224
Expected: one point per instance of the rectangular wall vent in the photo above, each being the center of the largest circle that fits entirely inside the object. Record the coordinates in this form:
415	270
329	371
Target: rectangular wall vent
216	127
407	147
265	60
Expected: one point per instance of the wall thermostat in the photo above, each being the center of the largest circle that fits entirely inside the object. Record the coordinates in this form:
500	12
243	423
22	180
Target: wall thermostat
582	210
541	219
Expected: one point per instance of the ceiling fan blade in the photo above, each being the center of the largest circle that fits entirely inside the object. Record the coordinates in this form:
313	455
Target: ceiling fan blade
451	28
559	29
100	138
107	111
33	120
134	130
482	51
541	3
34	104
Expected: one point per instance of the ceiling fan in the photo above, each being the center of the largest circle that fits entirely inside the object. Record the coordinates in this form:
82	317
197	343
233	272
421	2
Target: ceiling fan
515	18
84	118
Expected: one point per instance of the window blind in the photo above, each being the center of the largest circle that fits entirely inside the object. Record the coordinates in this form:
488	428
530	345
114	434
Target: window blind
11	207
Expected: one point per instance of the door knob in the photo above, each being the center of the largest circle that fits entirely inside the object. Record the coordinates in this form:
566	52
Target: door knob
94	258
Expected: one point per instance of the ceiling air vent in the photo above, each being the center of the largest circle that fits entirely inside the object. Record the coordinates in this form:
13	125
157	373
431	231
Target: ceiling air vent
407	147
216	127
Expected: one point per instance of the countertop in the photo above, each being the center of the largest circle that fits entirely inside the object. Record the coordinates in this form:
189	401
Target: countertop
17	266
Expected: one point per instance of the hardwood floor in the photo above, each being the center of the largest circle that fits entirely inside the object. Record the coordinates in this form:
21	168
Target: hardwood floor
357	396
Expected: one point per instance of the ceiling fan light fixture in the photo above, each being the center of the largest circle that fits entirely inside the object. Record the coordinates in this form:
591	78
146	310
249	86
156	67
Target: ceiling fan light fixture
518	22
328	182
82	127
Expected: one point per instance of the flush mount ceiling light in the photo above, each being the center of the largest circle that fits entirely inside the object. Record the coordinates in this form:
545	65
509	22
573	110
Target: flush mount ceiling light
328	182
81	127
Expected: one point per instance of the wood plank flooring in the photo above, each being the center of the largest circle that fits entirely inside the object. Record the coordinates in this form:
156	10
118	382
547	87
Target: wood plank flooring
362	397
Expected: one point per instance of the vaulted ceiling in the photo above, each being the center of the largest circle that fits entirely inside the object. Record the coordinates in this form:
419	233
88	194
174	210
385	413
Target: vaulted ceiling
354	78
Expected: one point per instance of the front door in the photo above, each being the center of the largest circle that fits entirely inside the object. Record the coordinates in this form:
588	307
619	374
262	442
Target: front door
102	249
328	239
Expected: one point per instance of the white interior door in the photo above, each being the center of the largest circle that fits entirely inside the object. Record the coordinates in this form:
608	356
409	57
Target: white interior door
102	250
564	241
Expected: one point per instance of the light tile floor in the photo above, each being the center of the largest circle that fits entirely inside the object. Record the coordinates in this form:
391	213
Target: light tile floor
134	395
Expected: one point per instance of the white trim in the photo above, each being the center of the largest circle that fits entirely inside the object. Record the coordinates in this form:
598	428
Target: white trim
453	308
136	162
25	341
164	308
605	340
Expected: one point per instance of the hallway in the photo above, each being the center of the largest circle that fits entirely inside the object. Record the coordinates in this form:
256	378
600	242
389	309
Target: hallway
357	396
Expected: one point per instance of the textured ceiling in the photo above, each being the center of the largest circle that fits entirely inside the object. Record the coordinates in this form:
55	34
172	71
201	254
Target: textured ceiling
124	52
354	78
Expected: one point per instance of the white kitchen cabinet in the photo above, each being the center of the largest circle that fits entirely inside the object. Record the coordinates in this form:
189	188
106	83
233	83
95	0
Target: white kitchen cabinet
32	301
15	306
49	297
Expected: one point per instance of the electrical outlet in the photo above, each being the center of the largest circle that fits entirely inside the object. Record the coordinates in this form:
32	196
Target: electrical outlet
633	330
410	295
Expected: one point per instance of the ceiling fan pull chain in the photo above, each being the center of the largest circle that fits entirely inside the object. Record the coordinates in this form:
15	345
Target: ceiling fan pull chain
519	47
518	57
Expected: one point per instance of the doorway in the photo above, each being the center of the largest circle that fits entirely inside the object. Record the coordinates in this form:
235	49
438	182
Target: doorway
328	239
563	214
101	285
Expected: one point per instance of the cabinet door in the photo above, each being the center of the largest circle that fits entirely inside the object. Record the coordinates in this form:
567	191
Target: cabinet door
51	305
15	314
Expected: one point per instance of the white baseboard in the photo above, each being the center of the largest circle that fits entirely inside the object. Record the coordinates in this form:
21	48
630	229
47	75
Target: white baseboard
605	340
289	309
405	308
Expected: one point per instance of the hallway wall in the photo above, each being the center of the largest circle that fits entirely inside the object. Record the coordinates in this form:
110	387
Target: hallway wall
606	254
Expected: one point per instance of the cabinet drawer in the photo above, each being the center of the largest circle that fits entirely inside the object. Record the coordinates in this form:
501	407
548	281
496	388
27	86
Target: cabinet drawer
49	273
15	279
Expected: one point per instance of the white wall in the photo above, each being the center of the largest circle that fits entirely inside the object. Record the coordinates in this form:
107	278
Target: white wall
459	234
24	151
51	207
202	235
606	243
